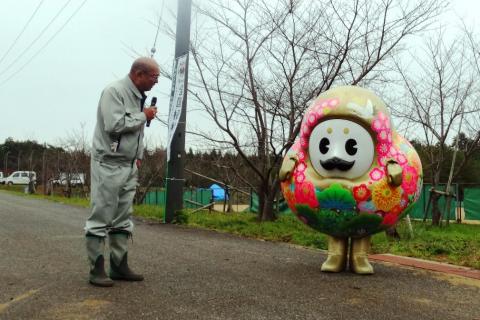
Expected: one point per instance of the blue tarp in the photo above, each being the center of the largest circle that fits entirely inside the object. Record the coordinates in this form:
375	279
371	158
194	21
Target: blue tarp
218	192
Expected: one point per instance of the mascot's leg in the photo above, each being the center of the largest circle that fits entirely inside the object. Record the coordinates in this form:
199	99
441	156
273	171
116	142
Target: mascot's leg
337	255
359	256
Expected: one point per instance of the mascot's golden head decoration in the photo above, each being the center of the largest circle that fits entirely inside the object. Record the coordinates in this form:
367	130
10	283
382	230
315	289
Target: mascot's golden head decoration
350	174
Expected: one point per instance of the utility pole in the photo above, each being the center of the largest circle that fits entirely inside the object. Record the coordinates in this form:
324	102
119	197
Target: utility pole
31	183
18	159
176	161
6	162
44	169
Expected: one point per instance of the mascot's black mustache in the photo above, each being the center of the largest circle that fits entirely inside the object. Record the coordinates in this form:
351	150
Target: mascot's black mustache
337	163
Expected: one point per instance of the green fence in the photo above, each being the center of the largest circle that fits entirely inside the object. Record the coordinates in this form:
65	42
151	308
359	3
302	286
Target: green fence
192	198
280	206
418	211
471	203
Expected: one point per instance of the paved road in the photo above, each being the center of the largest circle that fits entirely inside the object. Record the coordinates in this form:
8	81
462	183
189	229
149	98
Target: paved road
196	274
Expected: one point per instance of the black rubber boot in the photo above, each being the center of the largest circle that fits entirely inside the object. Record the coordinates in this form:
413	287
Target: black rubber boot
98	277
95	249
119	269
122	271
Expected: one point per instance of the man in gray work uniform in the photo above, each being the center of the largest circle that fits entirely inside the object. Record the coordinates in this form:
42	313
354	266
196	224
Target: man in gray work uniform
117	152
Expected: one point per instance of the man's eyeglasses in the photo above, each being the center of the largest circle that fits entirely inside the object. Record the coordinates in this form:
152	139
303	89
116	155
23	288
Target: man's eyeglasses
153	76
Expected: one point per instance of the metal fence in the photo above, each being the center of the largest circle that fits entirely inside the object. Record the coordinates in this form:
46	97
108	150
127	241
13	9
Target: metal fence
422	205
466	205
471	203
192	198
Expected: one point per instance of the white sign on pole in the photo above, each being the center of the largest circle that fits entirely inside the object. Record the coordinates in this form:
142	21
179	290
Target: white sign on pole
176	98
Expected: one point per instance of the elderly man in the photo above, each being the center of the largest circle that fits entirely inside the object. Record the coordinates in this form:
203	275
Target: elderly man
117	152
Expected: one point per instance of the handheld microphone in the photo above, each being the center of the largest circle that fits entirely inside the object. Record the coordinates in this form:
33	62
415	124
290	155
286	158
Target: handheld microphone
152	104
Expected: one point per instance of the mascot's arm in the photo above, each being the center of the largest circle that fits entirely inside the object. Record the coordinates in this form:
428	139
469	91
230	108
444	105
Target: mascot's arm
287	167
394	173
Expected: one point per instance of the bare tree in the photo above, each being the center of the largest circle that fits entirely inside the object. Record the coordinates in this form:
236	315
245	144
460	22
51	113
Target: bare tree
258	64
151	172
441	100
225	169
74	162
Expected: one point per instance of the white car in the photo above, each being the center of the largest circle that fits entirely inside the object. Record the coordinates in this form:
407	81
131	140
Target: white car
2	178
76	179
21	177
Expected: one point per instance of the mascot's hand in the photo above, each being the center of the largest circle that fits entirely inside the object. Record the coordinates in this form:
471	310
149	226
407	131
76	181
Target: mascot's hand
394	173
286	170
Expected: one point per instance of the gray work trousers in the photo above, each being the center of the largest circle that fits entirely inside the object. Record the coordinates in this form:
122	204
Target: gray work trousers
112	191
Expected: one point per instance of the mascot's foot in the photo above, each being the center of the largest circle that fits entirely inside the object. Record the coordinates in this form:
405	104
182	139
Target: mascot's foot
334	263
359	256
337	255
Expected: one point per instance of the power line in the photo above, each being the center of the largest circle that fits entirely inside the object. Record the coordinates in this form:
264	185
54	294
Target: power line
21	32
46	44
36	39
153	50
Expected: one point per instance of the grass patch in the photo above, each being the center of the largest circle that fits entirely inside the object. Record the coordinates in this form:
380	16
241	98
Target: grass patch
148	211
285	229
458	244
20	191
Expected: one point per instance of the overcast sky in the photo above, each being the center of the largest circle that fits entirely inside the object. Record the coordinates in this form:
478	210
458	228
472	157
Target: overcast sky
51	96
48	91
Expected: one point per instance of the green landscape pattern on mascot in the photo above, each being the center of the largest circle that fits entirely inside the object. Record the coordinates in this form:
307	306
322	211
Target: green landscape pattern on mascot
350	174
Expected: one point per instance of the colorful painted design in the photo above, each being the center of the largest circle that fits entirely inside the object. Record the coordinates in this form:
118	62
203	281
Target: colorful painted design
305	194
390	219
361	193
289	196
409	179
376	174
384	196
365	204
336	197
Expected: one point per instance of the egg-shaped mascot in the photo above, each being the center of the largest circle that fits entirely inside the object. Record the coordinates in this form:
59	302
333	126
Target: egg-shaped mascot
350	174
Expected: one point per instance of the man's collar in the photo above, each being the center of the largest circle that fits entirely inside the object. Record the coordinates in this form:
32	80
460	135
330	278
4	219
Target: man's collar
132	87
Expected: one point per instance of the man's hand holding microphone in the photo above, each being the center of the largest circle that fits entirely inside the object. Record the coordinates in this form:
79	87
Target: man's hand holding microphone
151	112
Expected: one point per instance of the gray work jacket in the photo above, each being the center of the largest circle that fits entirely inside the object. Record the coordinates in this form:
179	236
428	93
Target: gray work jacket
118	137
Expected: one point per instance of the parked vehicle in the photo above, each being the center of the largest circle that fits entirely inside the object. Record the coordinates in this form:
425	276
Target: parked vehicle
75	179
21	177
2	178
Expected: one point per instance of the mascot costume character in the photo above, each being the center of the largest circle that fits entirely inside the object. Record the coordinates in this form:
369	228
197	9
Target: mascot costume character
350	174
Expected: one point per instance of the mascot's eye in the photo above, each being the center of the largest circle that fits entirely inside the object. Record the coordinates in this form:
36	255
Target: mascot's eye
324	143
350	147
